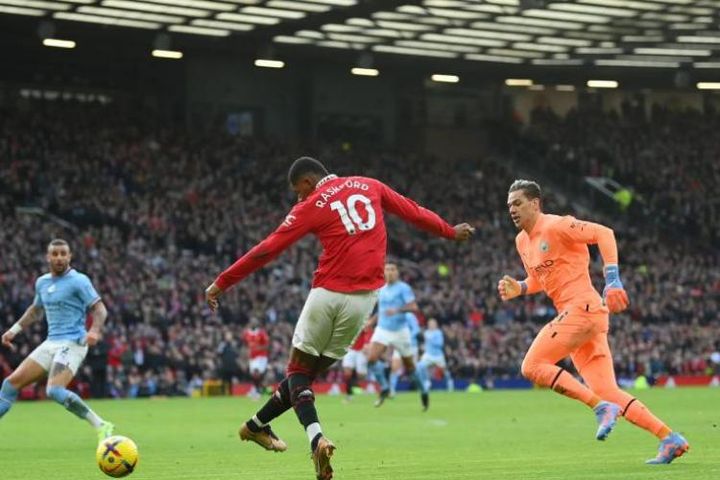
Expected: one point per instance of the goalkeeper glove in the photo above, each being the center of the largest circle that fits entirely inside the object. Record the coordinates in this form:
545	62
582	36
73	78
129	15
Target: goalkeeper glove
614	294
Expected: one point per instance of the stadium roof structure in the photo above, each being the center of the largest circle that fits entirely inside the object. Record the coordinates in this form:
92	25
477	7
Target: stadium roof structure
667	34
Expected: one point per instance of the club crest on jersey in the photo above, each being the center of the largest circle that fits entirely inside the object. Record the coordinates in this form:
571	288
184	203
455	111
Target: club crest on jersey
51	289
544	247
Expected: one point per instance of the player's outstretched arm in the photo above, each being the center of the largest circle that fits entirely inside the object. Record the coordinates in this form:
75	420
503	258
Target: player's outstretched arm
463	232
421	217
295	226
31	315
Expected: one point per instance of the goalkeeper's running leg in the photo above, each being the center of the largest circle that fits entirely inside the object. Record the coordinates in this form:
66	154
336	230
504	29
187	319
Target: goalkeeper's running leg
555	341
594	362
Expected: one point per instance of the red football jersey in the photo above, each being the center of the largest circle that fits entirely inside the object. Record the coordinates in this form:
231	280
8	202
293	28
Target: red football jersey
362	339
347	215
257	341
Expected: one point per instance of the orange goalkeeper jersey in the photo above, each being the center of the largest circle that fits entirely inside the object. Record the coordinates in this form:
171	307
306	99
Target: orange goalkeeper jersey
556	258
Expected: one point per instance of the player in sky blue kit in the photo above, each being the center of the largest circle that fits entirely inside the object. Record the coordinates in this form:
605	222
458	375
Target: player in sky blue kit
434	355
396	369
395	300
65	295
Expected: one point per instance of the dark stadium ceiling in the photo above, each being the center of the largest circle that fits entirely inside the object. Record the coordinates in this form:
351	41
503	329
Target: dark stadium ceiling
599	33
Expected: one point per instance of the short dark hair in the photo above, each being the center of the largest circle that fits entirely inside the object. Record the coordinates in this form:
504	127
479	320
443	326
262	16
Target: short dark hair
303	166
58	242
530	188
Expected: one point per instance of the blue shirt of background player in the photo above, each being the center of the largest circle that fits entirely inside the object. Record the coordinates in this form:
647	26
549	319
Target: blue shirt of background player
65	299
395	296
412	323
434	341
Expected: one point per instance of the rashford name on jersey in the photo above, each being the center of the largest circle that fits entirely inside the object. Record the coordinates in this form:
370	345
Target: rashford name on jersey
328	193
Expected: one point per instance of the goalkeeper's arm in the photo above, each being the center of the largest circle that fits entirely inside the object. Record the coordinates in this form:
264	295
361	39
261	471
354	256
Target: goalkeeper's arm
509	288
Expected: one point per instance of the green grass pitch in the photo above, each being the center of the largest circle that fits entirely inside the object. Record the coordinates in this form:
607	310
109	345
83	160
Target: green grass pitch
493	435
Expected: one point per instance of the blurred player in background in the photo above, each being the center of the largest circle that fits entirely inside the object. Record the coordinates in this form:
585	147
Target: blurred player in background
258	343
395	300
554	252
396	366
354	363
347	215
434	354
66	296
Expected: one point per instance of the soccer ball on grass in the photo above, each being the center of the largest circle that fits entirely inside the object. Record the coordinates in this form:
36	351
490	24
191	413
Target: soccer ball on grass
117	456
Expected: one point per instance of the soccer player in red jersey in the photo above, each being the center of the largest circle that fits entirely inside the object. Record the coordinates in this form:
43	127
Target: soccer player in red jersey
258	343
554	252
347	216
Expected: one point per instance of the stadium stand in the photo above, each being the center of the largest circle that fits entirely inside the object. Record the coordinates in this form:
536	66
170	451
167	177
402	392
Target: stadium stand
153	212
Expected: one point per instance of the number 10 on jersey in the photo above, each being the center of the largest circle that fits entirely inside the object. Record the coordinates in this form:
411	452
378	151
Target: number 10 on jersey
350	217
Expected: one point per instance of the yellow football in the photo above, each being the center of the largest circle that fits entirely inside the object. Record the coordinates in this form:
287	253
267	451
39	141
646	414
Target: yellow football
117	456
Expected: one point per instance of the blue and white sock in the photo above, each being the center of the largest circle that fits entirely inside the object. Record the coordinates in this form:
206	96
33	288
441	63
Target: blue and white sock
8	395
422	378
394	377
74	404
449	382
378	370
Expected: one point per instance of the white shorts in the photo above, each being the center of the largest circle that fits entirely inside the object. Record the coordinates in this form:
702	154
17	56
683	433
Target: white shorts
258	364
355	360
434	361
415	353
65	352
399	340
330	321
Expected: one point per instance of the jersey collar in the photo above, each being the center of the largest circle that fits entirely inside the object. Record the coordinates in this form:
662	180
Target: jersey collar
69	269
326	179
538	225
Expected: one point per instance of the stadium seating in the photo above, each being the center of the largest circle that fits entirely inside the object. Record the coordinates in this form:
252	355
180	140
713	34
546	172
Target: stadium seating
153	212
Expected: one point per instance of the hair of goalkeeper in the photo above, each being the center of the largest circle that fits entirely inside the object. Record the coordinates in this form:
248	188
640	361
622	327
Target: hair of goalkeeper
530	188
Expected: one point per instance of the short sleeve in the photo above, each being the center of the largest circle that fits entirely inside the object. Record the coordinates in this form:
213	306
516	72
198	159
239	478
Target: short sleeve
407	294
88	294
37	301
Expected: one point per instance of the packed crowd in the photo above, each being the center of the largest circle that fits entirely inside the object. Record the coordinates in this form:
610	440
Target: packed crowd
153	214
668	159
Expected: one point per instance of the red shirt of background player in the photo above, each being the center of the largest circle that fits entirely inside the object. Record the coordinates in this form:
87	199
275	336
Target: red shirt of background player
257	341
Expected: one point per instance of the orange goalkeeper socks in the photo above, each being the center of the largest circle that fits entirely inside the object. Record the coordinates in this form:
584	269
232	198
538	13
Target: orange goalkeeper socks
566	384
638	414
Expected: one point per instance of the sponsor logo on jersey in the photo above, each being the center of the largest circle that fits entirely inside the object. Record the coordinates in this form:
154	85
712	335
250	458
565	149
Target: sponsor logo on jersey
544	268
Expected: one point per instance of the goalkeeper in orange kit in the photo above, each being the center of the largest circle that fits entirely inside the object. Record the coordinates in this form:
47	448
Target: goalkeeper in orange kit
555	255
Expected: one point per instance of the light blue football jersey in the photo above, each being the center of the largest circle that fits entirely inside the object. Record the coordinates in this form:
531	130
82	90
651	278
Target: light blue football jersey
65	300
434	342
396	296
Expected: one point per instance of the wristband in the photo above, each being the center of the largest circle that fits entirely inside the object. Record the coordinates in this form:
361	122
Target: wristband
611	271
15	329
523	287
